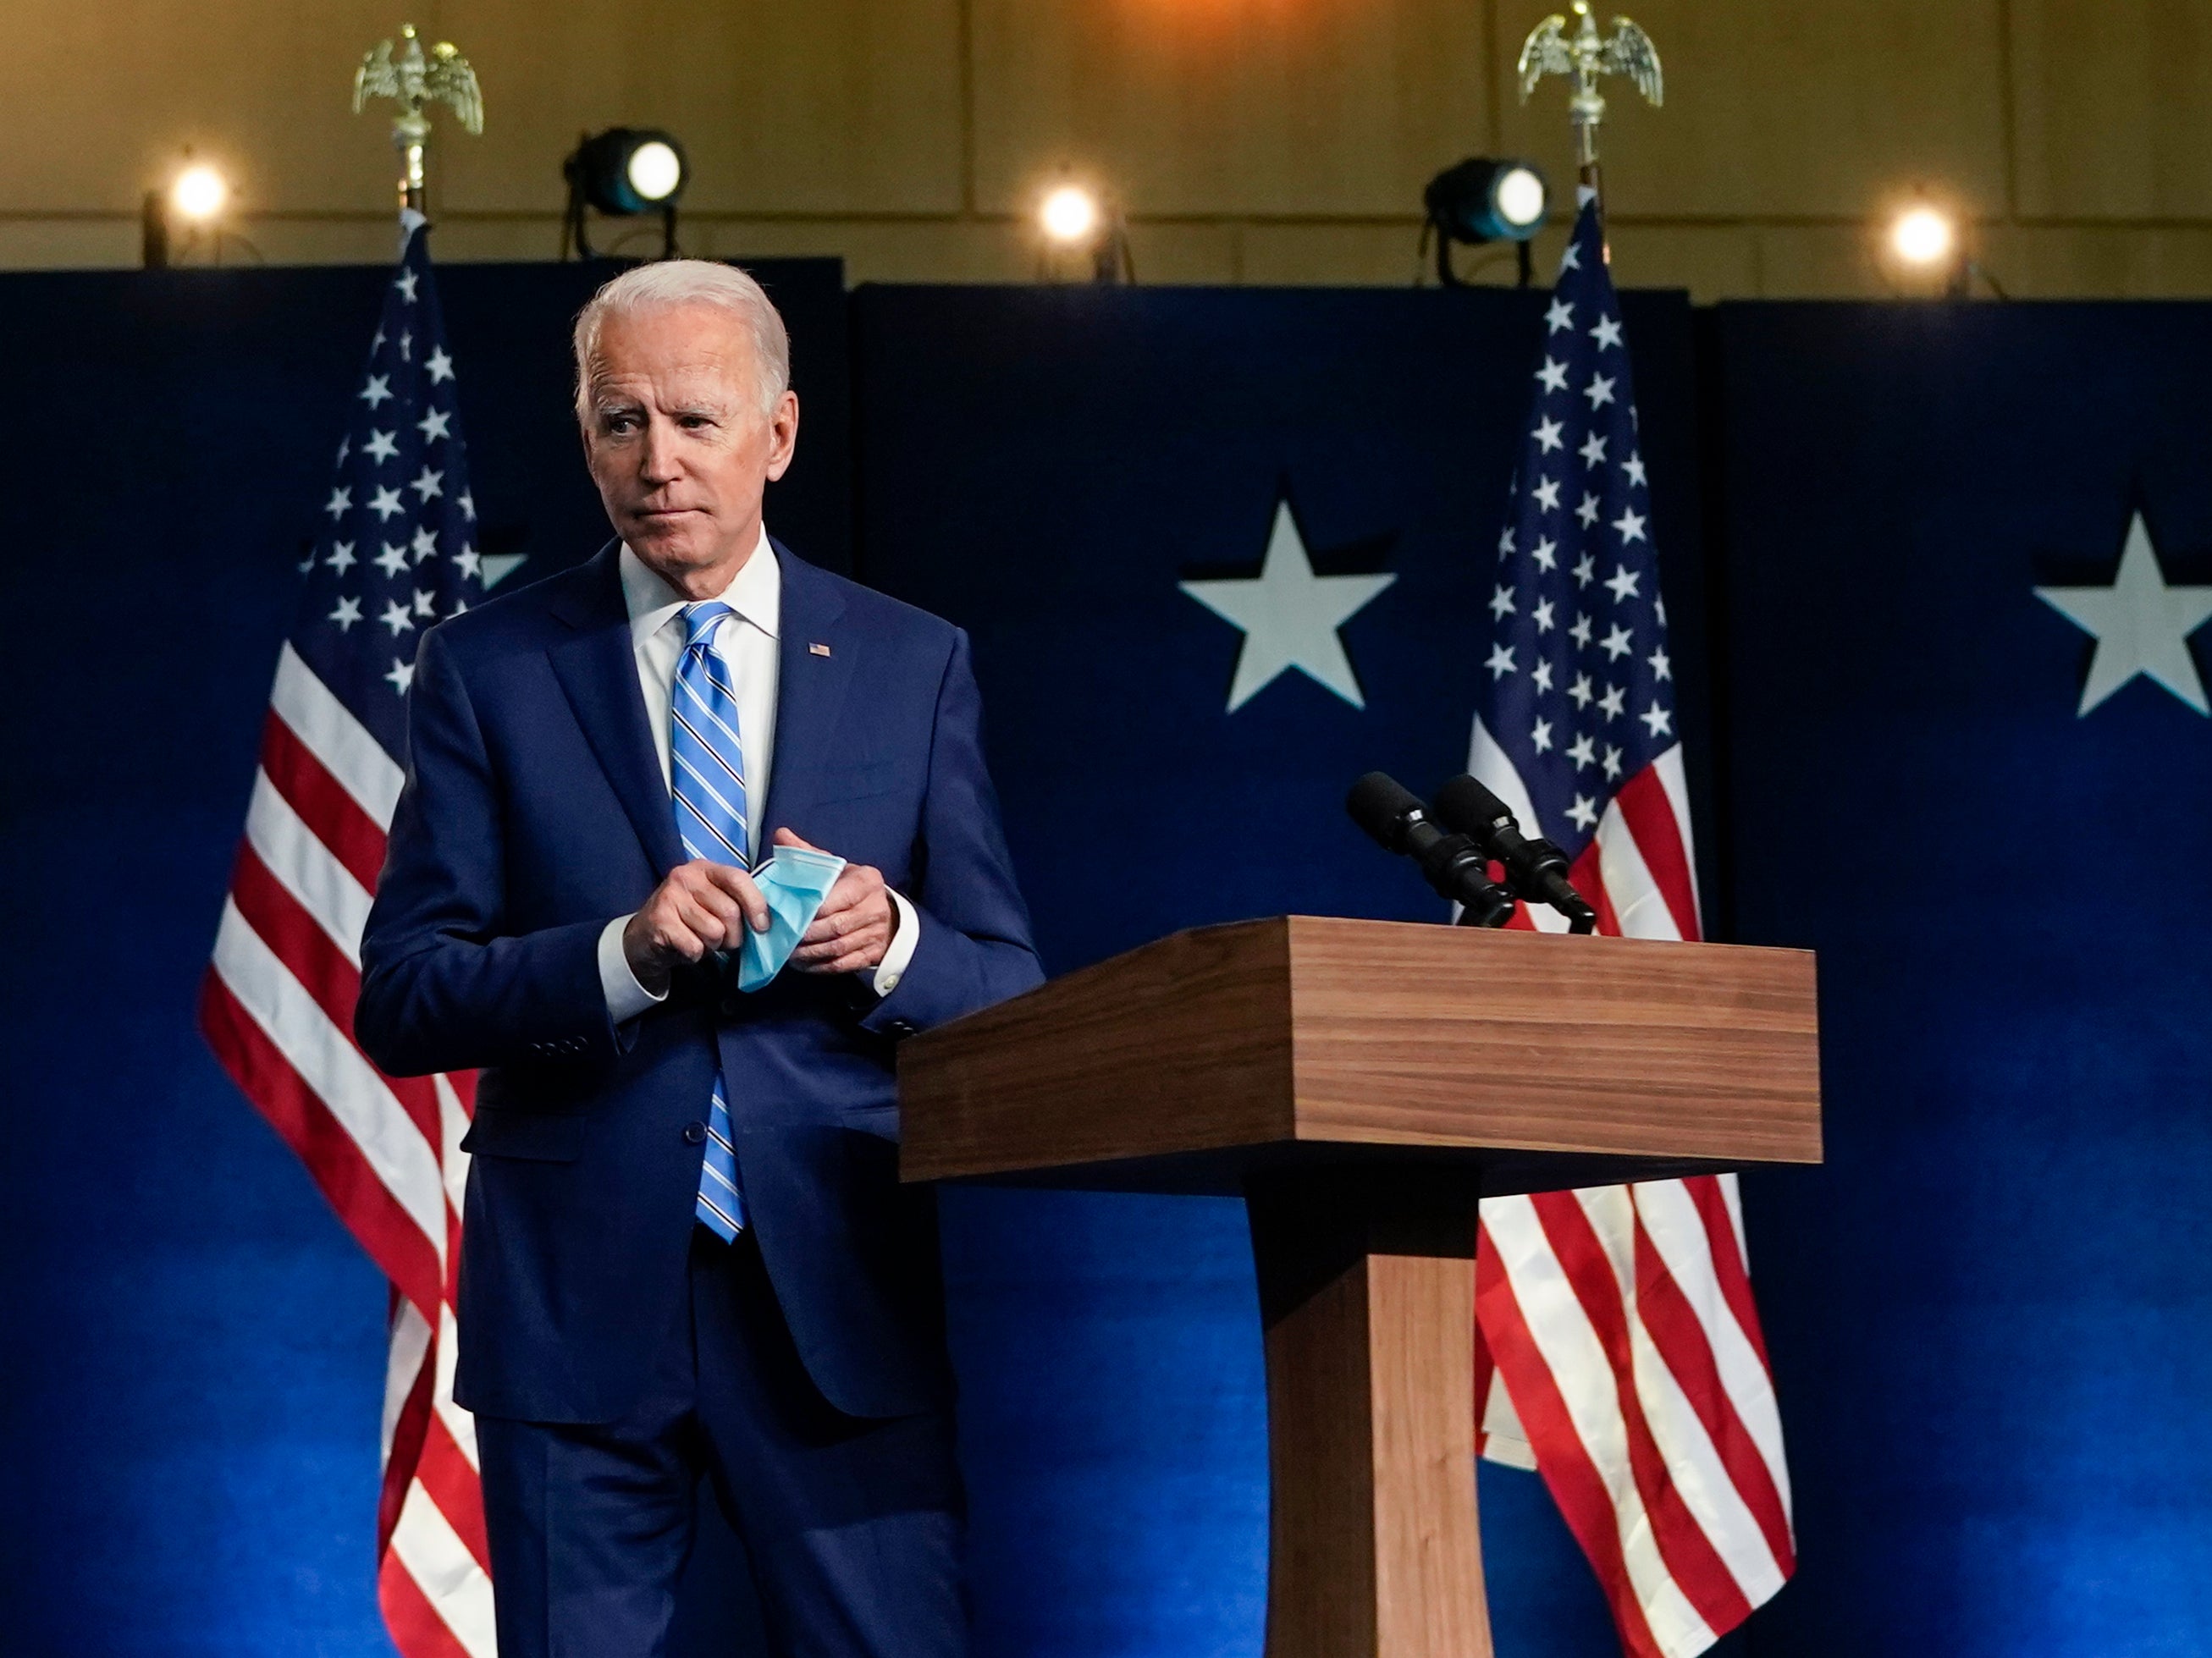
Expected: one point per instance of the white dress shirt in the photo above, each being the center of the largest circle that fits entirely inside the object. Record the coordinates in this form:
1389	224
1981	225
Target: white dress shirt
746	642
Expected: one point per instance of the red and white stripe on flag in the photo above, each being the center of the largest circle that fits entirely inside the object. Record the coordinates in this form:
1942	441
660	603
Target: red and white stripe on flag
1618	1351
277	1008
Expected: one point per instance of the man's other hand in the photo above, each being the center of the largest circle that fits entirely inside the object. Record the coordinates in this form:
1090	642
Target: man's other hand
853	927
701	906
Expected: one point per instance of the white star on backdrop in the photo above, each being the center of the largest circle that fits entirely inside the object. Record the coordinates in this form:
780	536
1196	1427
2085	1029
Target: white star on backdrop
2140	624
1290	617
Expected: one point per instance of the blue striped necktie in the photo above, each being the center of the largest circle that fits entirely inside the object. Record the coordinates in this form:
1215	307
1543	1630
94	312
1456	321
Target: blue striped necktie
707	775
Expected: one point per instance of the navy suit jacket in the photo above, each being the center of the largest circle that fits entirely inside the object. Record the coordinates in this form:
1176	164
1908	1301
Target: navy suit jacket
534	812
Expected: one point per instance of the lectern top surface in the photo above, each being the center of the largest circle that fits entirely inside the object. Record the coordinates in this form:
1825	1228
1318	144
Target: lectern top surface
1306	1036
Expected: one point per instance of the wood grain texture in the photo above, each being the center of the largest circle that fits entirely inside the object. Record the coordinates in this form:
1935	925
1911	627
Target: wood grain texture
1367	1295
1299	1035
1541	1042
1183	1045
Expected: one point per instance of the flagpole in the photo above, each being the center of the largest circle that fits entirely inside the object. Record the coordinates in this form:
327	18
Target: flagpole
413	80
1584	56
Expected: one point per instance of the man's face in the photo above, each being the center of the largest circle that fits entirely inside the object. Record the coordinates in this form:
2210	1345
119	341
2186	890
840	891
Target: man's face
676	442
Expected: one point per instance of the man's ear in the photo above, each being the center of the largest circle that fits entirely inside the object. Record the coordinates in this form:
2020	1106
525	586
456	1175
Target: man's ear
784	444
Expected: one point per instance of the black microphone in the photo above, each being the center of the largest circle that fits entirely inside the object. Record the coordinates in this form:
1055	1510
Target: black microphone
1535	869
1454	865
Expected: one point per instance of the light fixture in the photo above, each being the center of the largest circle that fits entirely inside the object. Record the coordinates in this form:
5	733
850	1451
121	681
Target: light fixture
622	172
199	193
1922	236
1068	215
1485	200
1072	219
193	204
1927	242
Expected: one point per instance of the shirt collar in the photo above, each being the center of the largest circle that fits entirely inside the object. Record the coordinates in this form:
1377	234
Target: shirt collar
756	593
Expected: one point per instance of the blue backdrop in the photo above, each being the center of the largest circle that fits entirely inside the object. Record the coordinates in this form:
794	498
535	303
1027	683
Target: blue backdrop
1991	1311
1989	1323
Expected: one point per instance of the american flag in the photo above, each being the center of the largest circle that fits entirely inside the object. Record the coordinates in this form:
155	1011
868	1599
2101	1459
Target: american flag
1620	1353
395	552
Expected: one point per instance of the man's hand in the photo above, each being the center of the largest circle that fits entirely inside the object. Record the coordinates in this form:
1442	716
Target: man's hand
853	927
701	906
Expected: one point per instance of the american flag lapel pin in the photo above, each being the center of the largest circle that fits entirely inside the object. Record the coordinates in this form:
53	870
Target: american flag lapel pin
817	650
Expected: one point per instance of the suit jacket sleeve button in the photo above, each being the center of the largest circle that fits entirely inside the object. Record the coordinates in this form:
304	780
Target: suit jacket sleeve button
694	1133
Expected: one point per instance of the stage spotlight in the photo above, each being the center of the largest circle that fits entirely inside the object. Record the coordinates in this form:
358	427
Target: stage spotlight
622	172
1484	200
199	193
1922	236
173	221
1926	244
1069	214
655	171
1073	219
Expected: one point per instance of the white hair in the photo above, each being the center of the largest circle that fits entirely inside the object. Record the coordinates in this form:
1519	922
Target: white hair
673	282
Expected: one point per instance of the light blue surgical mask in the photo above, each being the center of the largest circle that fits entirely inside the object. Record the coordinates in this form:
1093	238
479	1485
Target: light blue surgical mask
795	881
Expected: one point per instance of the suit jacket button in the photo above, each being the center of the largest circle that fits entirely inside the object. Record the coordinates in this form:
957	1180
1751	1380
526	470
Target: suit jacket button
901	1028
729	1007
694	1133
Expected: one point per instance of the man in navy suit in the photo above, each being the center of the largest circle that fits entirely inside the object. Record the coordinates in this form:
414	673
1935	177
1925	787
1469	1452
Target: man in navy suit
687	1252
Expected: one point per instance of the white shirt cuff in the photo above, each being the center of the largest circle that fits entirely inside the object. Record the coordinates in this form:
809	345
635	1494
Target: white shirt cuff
626	998
893	966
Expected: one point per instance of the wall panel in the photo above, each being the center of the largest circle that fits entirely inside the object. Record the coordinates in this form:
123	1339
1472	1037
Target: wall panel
1228	107
806	106
2111	100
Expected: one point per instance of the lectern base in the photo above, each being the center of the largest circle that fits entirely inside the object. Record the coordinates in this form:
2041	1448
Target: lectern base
1367	1295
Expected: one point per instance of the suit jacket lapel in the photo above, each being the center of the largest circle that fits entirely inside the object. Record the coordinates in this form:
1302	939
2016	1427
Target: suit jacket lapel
810	687
598	672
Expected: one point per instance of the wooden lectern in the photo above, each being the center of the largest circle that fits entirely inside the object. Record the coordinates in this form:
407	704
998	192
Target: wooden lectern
1363	1084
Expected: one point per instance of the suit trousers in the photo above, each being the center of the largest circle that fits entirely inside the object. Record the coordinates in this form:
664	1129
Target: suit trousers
855	1529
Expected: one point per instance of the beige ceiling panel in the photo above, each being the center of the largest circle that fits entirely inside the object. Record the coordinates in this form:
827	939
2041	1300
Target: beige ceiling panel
1228	107
782	105
1786	107
2112	102
99	101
